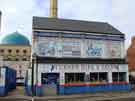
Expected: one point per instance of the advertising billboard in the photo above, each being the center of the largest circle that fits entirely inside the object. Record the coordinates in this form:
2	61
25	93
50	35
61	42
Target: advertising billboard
72	47
95	48
113	49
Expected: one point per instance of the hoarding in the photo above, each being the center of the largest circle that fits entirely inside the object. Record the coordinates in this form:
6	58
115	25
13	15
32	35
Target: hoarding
113	49
46	49
66	48
72	47
95	48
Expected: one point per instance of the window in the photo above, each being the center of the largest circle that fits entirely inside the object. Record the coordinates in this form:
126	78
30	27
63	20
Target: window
93	77
17	51
24	59
74	77
119	76
98	77
16	59
9	50
122	76
2	50
24	51
103	77
115	76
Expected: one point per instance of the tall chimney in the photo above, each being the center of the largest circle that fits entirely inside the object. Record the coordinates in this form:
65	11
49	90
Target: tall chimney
0	20
53	8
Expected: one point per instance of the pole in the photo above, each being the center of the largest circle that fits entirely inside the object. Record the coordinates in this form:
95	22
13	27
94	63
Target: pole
32	78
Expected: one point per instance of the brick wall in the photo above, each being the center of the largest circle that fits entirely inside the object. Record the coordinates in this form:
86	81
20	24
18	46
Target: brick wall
131	55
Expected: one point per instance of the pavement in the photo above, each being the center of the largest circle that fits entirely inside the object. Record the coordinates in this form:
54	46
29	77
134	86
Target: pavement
19	95
115	96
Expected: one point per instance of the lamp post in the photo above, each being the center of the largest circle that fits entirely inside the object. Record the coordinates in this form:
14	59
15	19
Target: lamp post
34	59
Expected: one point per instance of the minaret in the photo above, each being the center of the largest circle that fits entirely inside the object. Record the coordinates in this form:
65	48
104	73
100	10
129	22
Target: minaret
53	8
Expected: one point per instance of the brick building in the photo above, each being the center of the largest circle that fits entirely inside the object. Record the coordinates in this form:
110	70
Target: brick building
131	55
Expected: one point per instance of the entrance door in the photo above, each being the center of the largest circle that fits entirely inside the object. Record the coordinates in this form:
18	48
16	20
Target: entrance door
50	82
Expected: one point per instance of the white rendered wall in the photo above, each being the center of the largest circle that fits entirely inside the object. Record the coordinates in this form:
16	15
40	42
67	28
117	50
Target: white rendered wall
75	68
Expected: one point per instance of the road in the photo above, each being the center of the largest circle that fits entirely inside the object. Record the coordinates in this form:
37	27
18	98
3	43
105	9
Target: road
123	96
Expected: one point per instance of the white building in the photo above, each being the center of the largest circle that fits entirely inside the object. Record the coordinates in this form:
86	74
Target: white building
78	57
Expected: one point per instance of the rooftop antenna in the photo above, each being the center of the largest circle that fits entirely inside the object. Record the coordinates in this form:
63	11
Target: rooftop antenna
53	8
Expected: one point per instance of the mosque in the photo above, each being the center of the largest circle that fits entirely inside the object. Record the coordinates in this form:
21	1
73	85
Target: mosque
15	51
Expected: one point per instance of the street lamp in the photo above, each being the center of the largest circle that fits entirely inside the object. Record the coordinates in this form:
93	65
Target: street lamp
34	60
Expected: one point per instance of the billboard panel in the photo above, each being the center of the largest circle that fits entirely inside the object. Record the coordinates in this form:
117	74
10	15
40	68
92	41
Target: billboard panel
95	48
72	47
113	49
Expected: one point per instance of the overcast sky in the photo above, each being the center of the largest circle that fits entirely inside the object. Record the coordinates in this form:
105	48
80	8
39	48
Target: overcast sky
17	14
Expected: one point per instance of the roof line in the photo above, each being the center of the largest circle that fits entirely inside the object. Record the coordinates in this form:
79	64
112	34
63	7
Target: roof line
76	31
70	19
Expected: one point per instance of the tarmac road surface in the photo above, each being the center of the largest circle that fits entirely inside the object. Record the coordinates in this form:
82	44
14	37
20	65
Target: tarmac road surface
10	99
83	99
123	96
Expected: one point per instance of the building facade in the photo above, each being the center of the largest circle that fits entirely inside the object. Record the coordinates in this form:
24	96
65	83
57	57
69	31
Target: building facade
15	51
72	56
131	56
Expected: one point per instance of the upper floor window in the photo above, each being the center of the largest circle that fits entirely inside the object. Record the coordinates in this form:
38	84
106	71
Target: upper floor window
2	50
16	59
17	51
9	50
24	51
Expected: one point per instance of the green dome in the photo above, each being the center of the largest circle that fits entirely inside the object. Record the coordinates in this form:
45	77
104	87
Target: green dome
15	39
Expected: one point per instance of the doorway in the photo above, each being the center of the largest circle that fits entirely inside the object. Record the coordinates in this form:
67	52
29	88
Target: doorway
51	83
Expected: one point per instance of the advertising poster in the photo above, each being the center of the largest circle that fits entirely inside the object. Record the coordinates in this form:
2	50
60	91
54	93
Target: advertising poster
57	47
95	49
113	49
65	47
45	48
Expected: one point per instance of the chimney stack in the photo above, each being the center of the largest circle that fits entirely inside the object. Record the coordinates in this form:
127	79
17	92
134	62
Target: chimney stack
53	8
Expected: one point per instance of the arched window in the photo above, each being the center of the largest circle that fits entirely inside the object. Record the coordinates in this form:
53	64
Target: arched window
16	59
9	50
2	50
24	51
17	51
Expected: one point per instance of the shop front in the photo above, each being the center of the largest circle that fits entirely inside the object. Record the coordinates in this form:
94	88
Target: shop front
82	78
50	82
